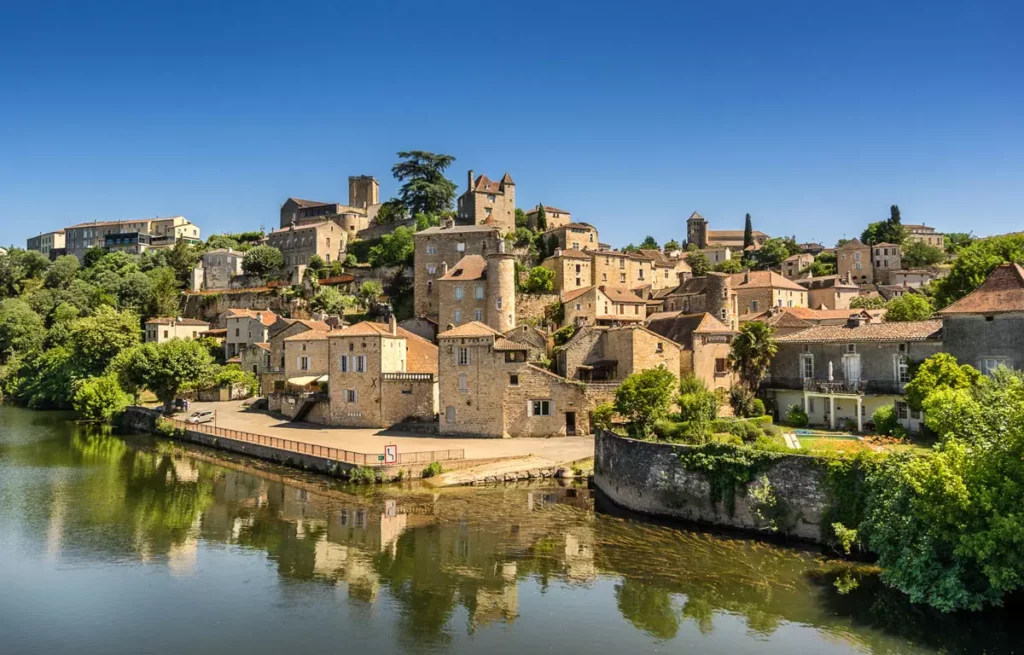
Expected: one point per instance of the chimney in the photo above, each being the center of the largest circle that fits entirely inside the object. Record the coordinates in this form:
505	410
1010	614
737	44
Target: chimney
470	176
444	268
558	252
393	325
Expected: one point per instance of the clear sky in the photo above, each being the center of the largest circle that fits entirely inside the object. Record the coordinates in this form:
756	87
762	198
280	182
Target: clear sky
812	116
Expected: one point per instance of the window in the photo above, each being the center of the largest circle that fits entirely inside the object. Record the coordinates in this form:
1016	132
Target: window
722	314
360	363
236	332
810	405
303	363
754	305
499	303
458	293
513	380
490	197
431	269
463	383
902	369
579	306
721	366
460	247
464	357
577	269
604	277
990	364
449	414
351	396
806	366
479	292
488	211
457	316
478	315
165	333
660	348
539	407
902	411
850	348
431	248
579	282
622	278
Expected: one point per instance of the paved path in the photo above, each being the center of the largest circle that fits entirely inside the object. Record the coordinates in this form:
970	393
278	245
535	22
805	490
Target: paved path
231	415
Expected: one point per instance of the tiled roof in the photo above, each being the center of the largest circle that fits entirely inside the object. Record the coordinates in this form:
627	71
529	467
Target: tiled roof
575	293
733	234
309	203
1001	292
437	229
267	317
809	314
306	226
127	220
578	225
484	184
694	285
885	244
870	332
763	280
309	335
505	344
619	317
621	295
263	345
547	208
852	244
170	320
421	355
471	329
696	215
680	327
470	267
364	329
572	253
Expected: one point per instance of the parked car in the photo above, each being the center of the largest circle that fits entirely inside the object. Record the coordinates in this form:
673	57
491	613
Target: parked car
202	416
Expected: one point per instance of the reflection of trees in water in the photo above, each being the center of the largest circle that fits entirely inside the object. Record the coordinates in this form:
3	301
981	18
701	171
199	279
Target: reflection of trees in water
648	608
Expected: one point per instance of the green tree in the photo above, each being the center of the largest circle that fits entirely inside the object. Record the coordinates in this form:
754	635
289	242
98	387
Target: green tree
17	267
21	329
917	254
95	340
629	247
92	255
752	352
773	252
645	397
908	307
100	398
887	231
671	245
425	189
957	241
135	293
217	241
331	301
540	280
521	220
698	407
317	265
728	266
166	293
175	365
62	271
182	258
649	243
542	218
648	607
974	263
369	292
940	371
423	221
394	249
748	232
699	263
261	261
824	264
867	302
392	211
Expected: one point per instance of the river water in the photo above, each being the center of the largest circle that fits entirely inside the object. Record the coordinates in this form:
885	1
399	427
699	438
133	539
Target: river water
126	544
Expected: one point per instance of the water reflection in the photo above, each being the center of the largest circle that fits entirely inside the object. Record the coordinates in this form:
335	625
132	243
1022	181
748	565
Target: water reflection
443	565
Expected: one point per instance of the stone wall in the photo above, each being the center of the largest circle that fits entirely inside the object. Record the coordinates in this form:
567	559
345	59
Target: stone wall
649	477
207	306
530	307
408	397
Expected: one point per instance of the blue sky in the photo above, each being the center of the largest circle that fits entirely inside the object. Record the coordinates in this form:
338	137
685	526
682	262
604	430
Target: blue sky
812	116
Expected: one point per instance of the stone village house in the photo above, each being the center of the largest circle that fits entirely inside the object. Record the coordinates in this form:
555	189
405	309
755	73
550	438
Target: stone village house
704	343
603	306
436	247
479	289
247	326
555	217
158	330
489	202
609	354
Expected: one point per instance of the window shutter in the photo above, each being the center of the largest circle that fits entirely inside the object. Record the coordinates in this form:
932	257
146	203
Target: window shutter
529	408
298	363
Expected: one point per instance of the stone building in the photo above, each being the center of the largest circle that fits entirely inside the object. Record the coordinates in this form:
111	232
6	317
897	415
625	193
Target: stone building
247	326
132	236
794	264
440	245
926	234
554	216
488	202
481	289
255	359
914	278
712	293
704	343
668	271
828	291
279	331
572	269
305	357
840	374
697	232
787	320
885	260
538	342
620	269
363	203
158	330
603	306
50	244
985	328
218	267
611	354
853	262
488	389
572	236
380	375
759	290
298	243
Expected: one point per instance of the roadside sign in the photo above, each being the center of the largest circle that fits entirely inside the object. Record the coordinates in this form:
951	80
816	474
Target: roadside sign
390	454
380	458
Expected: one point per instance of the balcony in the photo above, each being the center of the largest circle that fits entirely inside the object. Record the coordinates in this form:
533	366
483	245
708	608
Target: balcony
841	387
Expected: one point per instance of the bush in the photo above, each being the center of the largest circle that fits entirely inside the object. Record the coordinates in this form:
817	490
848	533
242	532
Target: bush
757	408
562	335
540	280
886	422
745	430
699	409
796	416
679	432
100	399
761	421
362	475
764	442
601	417
741	399
691	384
772	430
434	468
164	427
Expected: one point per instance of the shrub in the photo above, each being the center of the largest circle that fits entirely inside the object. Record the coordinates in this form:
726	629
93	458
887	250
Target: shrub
680	432
644	397
886	422
761	421
164	427
691	384
362	475
745	430
796	416
771	444
742	401
772	430
100	399
757	408
434	468
699	409
601	417
562	335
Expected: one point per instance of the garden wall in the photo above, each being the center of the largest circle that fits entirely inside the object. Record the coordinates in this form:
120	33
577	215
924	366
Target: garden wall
690	483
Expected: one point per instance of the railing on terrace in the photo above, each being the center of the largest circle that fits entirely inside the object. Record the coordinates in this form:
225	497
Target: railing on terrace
327	452
816	385
419	377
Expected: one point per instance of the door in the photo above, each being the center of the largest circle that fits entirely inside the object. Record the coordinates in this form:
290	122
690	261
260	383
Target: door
570	424
851	369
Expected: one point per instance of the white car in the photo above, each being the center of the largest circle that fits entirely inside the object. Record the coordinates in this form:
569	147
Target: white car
202	416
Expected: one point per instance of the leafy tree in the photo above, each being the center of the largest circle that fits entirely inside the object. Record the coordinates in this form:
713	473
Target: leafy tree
692	247
45	380
957	241
540	280
629	247
350	260
17	267
218	241
425	189
135	293
173	366
166	293
369	292
62	271
542	218
521	220
601	417
97	339
394	249
331	301
100	398
940	371
698	409
888	231
649	243
752	352
748	232
909	307
974	263
648	607
317	265
773	252
183	257
824	264
262	261
645	397
522	237
21	329
867	302
699	263
392	211
671	245
728	266
918	253
423	221
93	255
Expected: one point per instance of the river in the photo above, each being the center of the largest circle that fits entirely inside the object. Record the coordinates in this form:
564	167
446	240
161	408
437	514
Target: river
127	544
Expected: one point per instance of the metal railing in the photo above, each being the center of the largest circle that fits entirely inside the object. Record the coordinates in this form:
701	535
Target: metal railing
817	385
327	452
412	377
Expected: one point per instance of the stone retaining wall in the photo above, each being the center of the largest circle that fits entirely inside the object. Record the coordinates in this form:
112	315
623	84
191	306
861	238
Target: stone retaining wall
649	478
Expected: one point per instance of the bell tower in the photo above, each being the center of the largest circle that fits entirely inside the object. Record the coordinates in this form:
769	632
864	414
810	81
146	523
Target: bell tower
697	230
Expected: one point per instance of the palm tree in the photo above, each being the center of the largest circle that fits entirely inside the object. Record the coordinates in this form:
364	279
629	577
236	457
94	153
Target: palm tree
752	353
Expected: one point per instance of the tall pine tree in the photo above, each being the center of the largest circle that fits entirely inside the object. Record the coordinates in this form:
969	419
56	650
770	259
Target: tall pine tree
542	218
748	233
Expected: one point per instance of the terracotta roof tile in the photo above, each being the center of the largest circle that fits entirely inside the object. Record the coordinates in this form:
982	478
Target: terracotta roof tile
470	267
572	253
505	344
870	332
763	280
569	296
267	317
621	295
1001	292
547	208
471	329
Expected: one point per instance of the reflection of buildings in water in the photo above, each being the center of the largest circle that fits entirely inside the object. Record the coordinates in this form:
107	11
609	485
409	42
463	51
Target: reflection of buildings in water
501	604
55	529
579	554
185	469
571	496
181	558
347	564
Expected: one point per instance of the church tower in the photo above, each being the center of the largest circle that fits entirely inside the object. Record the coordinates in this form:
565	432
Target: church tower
697	230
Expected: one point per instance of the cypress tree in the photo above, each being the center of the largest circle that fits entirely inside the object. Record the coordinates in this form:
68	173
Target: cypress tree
748	233
542	218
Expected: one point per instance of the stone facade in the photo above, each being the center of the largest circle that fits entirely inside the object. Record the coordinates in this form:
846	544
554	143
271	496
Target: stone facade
704	342
50	244
853	262
134	236
306	355
603	306
697	232
537	342
572	269
256	360
299	243
479	289
554	216
245	327
158	330
219	266
572	236
759	290
926	234
488	202
352	220
886	259
619	269
613	354
437	246
793	264
830	292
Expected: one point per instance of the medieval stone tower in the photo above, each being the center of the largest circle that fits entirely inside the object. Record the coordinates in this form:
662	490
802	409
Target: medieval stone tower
720	299
363	191
697	230
501	289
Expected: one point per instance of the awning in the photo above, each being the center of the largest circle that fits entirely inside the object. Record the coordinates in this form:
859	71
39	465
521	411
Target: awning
306	380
